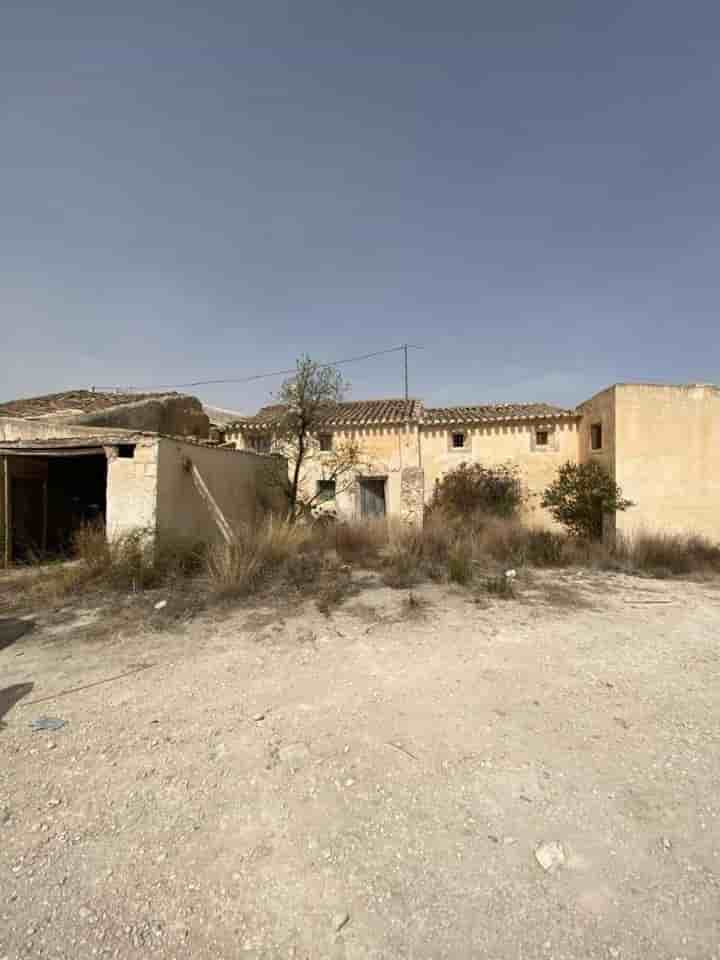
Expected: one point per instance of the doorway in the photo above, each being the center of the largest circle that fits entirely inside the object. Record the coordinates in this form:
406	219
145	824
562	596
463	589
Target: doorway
48	499
372	496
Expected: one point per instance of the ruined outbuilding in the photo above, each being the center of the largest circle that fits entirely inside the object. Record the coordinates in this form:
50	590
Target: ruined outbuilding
142	464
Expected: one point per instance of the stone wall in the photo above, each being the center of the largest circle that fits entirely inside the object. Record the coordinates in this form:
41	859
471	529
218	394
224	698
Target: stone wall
412	495
132	490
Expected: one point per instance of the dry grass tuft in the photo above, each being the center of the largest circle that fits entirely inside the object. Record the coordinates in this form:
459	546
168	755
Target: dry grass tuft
336	587
500	586
242	567
667	555
359	542
415	607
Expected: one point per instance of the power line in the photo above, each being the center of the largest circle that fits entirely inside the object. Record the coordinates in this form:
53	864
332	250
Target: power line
262	376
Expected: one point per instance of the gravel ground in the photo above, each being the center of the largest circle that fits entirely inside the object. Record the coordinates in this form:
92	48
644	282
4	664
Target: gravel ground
267	782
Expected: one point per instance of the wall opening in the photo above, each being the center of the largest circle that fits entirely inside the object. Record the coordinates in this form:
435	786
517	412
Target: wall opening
50	499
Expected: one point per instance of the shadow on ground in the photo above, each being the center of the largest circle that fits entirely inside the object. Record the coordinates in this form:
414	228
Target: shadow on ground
9	696
12	629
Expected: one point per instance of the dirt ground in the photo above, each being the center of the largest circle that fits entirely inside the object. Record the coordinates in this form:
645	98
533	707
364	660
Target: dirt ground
263	781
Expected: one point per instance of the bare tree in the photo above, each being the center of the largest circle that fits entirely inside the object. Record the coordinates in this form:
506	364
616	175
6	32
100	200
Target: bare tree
306	398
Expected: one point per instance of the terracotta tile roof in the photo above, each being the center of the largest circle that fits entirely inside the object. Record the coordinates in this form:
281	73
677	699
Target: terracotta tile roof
350	413
72	402
359	412
495	411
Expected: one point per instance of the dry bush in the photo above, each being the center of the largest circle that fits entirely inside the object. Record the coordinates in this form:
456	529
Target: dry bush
460	561
404	560
258	552
90	545
665	554
128	563
336	586
135	561
359	542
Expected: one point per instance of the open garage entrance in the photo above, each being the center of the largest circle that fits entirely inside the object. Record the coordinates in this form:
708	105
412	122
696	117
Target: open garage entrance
47	497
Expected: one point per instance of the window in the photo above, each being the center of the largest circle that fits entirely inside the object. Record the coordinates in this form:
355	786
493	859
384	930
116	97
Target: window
326	490
126	451
259	443
458	441
325	440
542	438
596	436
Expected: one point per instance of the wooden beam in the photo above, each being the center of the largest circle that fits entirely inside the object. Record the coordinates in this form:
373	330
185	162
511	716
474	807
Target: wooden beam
5	493
202	488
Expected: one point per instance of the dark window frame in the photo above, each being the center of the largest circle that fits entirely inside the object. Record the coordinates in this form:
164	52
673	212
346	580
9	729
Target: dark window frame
323	490
325	442
596	436
260	442
458	446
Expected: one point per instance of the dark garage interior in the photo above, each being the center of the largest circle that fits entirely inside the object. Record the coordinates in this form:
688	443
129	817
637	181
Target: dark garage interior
49	498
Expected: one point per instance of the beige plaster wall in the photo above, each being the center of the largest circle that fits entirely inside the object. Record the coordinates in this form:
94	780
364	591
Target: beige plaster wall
494	444
238	481
385	452
132	490
668	458
599	409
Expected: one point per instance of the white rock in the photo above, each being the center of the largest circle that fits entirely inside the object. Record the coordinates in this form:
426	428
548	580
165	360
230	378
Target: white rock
550	855
160	604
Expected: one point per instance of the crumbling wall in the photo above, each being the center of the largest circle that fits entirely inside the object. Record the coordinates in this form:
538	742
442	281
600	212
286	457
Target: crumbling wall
18	428
132	489
412	495
180	416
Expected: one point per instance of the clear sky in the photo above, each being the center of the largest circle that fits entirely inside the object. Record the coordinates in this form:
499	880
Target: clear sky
192	191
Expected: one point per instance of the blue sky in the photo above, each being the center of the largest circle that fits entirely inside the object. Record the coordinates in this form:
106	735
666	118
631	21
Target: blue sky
529	190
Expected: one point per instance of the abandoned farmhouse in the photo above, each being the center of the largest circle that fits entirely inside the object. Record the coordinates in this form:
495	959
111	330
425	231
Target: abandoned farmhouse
165	464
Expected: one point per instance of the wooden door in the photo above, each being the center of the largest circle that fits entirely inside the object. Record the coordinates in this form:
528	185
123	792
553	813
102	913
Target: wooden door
372	496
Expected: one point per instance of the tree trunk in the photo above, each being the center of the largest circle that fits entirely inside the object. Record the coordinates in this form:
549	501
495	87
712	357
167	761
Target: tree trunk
296	477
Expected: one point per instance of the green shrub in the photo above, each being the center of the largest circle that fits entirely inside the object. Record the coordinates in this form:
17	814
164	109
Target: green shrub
580	496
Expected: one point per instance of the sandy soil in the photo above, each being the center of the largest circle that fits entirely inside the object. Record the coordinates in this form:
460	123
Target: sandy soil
266	782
